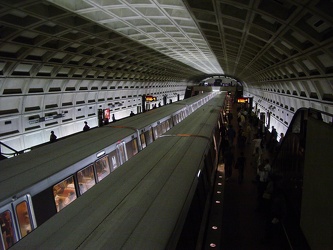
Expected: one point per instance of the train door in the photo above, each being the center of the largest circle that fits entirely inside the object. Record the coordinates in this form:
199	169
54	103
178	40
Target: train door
26	221
121	150
114	160
17	220
8	232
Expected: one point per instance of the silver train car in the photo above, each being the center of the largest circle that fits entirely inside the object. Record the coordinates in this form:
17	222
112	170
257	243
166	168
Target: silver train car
156	200
37	185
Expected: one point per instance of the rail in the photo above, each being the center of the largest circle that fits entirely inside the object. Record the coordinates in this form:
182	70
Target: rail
15	152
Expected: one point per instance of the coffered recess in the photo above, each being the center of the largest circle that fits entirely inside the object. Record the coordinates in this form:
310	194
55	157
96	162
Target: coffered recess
74	57
257	41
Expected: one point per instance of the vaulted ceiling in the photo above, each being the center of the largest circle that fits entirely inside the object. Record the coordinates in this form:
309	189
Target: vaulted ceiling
166	40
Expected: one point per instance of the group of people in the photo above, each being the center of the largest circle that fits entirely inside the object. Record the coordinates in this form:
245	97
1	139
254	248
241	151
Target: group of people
53	137
270	197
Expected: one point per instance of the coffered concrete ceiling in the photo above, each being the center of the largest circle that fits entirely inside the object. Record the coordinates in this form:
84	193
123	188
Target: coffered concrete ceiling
253	40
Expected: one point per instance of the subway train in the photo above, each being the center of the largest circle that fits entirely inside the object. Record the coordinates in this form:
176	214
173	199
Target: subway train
159	199
37	185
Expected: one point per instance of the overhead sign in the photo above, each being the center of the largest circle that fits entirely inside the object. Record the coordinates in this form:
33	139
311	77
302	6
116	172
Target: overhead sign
242	100
150	98
46	118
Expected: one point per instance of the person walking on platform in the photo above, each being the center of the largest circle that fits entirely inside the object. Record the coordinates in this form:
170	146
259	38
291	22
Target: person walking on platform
228	162
240	165
53	137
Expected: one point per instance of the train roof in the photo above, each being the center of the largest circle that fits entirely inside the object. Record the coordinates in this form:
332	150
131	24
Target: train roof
139	204
39	164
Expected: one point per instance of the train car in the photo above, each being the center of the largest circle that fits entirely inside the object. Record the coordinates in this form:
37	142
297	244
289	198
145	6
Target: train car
146	203
38	184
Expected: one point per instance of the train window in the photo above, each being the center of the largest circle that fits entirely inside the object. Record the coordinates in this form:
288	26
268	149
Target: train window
155	133
102	168
64	193
175	120
182	115
179	117
7	229
163	127
149	136
143	141
114	160
121	152
132	148
170	123
158	131
86	178
23	217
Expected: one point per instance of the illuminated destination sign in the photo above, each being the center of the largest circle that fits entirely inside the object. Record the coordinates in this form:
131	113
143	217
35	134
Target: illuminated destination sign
150	98
46	118
242	100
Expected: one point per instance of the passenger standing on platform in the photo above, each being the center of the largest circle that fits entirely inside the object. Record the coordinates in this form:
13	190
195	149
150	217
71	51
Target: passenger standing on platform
241	139
228	162
277	215
241	120
256	144
241	160
53	137
230	116
113	118
132	113
272	142
86	127
280	141
231	135
274	133
248	133
256	161
264	173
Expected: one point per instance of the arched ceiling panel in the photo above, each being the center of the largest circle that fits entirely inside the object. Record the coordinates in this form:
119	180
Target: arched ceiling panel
257	41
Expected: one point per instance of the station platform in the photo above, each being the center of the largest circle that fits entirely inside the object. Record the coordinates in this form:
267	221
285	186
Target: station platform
244	225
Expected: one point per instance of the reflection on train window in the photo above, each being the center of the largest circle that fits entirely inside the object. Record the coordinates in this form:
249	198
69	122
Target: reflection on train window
132	148
121	152
155	133
170	125
86	178
7	229
158	131
102	168
64	193
23	217
143	141
149	136
175	121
